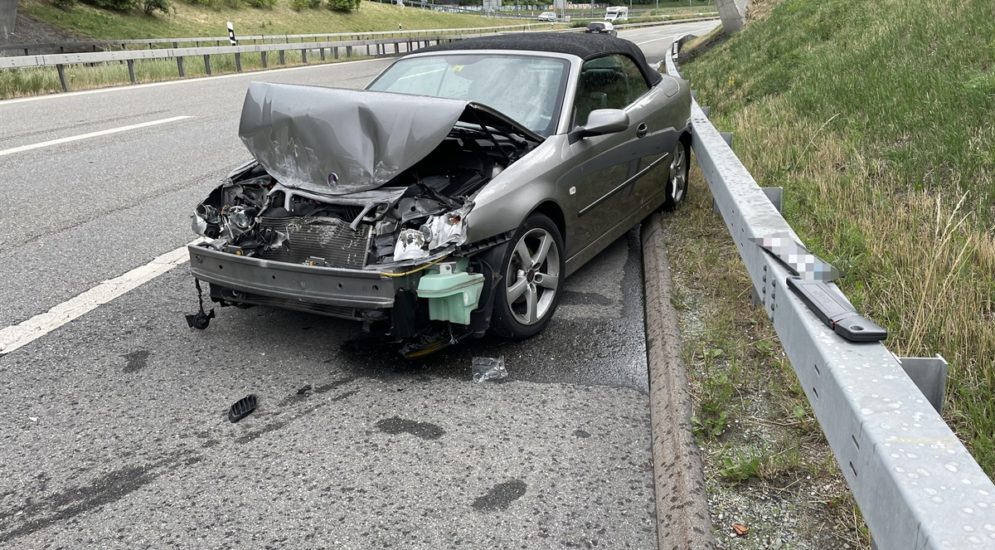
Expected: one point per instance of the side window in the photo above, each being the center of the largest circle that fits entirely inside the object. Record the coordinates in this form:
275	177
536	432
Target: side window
609	82
635	78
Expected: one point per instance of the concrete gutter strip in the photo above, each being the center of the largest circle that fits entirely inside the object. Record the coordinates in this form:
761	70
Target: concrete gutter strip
682	514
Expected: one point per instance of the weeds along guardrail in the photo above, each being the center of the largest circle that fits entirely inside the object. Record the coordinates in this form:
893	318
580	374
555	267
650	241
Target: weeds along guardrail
914	481
335	50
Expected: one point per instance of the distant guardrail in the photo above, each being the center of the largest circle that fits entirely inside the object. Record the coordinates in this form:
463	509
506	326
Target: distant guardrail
336	50
916	484
155	43
386	47
49	48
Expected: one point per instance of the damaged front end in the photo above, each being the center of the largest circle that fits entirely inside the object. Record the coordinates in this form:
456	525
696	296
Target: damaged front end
357	206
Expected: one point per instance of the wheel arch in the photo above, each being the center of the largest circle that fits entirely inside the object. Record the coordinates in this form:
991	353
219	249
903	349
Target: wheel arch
554	212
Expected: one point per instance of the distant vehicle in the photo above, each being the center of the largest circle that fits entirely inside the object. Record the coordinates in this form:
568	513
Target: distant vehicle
547	16
617	14
601	27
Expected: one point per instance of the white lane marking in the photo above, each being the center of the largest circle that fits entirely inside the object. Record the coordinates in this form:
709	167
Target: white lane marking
69	139
126	88
15	336
670	37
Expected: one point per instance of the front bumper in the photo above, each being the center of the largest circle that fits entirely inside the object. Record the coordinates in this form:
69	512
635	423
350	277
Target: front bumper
351	288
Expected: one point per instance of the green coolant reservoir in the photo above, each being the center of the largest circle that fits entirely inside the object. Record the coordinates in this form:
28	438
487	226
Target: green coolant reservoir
452	293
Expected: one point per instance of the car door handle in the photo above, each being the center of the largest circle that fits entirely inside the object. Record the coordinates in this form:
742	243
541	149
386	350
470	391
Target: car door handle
641	130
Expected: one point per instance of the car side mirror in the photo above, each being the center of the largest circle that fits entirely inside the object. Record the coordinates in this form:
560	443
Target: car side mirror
601	122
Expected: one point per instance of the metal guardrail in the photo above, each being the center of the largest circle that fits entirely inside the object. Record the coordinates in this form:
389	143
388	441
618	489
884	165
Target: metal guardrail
151	43
914	481
374	48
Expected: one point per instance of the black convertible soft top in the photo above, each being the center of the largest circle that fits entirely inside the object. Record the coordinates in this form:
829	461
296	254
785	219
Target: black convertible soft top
582	45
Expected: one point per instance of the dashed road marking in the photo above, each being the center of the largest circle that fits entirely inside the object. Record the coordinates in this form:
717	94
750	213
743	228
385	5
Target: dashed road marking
15	336
109	131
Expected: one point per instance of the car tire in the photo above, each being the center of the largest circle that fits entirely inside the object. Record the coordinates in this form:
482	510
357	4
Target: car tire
532	279
677	177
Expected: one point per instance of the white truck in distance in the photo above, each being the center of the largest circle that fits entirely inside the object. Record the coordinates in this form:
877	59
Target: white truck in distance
616	14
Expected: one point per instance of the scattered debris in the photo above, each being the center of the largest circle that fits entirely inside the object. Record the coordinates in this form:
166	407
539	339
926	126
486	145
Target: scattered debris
488	368
304	390
242	408
200	320
740	529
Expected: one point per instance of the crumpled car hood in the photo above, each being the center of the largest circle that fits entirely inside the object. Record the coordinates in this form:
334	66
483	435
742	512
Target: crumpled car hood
336	141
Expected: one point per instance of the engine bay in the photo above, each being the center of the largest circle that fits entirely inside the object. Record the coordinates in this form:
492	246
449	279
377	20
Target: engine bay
416	217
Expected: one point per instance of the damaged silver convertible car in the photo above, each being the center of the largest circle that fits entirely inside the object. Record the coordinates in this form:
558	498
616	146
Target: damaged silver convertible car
453	195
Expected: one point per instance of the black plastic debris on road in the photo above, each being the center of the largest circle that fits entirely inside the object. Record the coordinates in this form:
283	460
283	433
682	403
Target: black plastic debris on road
242	408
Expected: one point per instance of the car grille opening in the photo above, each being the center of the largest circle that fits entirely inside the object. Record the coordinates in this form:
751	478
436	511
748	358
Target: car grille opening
312	239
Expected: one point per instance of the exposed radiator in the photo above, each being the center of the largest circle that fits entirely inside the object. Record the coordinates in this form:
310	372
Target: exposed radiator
329	239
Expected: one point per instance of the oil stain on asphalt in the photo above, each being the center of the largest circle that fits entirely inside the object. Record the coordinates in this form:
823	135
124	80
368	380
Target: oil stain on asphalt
136	361
501	496
397	425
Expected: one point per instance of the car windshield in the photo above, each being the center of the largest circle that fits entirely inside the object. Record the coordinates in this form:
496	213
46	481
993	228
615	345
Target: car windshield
527	89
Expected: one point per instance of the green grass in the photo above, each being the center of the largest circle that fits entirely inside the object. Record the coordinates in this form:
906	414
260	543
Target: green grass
878	119
192	20
759	439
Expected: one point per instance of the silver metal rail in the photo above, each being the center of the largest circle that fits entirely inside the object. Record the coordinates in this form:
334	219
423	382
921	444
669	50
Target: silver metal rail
373	48
915	483
152	43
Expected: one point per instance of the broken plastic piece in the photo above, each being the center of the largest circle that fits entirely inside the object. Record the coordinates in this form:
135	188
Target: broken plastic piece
242	408
199	320
836	312
488	368
410	245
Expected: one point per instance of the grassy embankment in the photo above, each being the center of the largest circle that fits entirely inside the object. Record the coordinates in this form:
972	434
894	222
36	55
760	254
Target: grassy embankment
196	20
878	119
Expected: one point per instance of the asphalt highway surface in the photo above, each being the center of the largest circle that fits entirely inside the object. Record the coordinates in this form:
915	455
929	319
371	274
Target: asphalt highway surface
114	431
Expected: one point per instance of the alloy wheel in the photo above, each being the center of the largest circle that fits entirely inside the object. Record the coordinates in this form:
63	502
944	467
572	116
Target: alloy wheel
533	276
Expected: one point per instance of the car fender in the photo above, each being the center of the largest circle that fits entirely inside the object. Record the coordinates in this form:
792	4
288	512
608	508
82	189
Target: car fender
503	204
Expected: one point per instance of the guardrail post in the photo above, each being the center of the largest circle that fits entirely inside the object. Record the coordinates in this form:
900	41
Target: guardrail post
368	50
304	56
348	51
283	57
62	77
207	64
238	62
262	58
179	67
321	53
131	70
335	52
